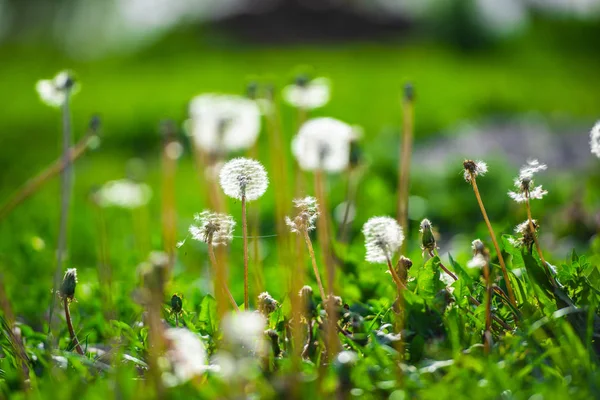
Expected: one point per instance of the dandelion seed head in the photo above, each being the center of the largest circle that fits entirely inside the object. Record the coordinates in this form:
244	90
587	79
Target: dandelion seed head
214	227
323	143
123	193
478	261
595	139
243	332
266	304
526	237
383	237
481	255
185	354
307	94
525	188
54	92
222	123
244	177
308	211
473	169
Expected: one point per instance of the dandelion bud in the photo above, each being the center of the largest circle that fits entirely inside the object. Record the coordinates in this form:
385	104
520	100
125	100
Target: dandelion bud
273	337
67	287
266	304
323	143
306	296
472	169
308	211
213	228
595	139
524	183
383	236
176	304
307	94
428	240
244	178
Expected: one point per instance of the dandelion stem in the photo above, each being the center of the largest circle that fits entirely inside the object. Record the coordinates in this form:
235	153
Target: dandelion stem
311	252
245	234
535	240
220	275
511	294
169	214
70	326
488	307
399	285
404	176
443	267
323	235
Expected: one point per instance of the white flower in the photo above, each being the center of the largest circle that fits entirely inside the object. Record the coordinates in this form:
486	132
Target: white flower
244	332
595	139
124	193
383	236
244	177
307	95
223	122
216	227
186	355
323	143
54	91
472	169
308	211
524	183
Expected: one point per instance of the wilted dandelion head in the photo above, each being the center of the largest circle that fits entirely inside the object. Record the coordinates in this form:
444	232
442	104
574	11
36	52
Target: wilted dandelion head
308	211
383	236
481	255
525	188
123	193
244	177
595	139
428	240
214	228
69	282
186	356
525	235
307	94
54	91
323	143
220	123
473	169
243	332
266	304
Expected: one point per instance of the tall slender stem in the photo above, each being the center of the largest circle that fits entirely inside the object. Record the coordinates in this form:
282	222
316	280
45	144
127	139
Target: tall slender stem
245	234
537	243
404	173
70	326
311	252
399	285
488	307
169	213
511	293
323	234
220	277
65	197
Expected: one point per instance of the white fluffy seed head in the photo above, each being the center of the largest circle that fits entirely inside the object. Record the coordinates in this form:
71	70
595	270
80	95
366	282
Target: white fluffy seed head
323	143
473	169
243	332
123	193
212	227
222	123
244	177
308	95
525	235
186	356
524	183
308	212
54	92
595	139
383	237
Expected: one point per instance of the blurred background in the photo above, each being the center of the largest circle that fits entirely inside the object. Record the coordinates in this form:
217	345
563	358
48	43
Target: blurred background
499	80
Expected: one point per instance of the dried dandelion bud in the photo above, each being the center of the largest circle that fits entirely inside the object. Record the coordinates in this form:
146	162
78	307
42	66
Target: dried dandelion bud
221	122
427	239
472	169
244	177
307	94
306	296
54	92
266	304
308	211
383	236
185	355
305	292
69	282
526	237
323	143
524	183
214	228
481	256
595	139
403	265
176	303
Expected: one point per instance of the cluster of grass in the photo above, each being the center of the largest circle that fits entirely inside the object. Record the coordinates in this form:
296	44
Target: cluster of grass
544	345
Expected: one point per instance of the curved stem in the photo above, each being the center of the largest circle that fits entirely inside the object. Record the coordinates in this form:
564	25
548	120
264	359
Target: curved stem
399	285
311	252
245	235
511	293
70	326
442	266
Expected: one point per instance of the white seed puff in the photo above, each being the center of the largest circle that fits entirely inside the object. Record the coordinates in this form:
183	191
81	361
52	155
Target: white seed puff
216	227
244	177
53	92
383	237
595	139
308	212
308	95
524	185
